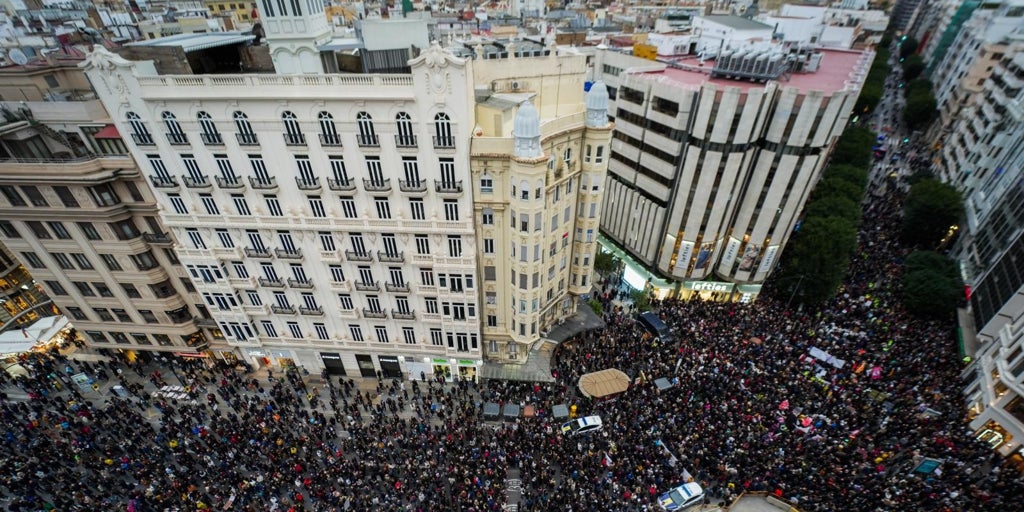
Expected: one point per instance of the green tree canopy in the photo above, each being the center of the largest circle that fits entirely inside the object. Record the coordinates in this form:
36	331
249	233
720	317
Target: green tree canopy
908	47
931	284
929	211
920	110
817	258
848	173
604	262
842	207
854	147
837	187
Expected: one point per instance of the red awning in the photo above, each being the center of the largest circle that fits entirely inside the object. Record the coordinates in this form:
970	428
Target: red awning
108	132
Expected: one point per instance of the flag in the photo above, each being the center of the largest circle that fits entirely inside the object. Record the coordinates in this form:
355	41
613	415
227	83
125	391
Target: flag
607	461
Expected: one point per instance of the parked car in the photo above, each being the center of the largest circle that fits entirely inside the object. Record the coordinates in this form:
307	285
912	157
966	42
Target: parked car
581	426
682	497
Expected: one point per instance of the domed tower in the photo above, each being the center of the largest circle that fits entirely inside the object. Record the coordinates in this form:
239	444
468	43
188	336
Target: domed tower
295	30
526	131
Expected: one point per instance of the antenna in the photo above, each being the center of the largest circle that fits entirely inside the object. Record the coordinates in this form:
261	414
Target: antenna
18	57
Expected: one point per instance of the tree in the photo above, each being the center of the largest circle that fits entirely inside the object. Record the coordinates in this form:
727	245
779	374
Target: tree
854	147
837	187
818	256
596	307
912	67
641	299
848	173
931	208
842	207
931	284
604	262
908	47
920	109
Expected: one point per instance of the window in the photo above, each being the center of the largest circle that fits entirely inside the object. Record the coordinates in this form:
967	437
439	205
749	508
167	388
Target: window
320	330
443	131
294	330
427	276
455	246
416	205
431	304
436	337
111	262
104	314
337	273
8	229
268	327
131	291
274	206
367	135
382	333
241	271
39	230
327	241
103	289
148	316
348	207
451	209
13	196
209	204
245	134
66	197
210	135
225	238
174	131
406	133
486	184
196	238
422	244
89	230
85	289
487	216
33	260
76	313
82	261
122	315
177	204
241	205
488	246
126	230
316	206
63	261
328	131
382	207
56	288
409	335
292	131
346	301
144	261
490	274
357	332
34	196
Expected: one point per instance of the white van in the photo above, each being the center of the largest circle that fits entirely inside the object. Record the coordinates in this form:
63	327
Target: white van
581	426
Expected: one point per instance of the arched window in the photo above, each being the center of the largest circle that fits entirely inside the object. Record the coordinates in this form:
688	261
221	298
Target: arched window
406	138
140	134
208	130
367	135
292	132
486	184
328	131
245	135
443	131
174	132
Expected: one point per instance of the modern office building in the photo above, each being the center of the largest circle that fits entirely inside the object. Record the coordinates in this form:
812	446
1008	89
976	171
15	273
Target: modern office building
539	156
713	157
77	213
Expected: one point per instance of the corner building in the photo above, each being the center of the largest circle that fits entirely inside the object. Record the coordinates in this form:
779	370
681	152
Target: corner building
325	219
710	170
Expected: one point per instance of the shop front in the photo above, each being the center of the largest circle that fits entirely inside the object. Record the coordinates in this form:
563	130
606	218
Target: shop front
365	363
390	367
633	275
707	290
260	358
283	358
332	363
441	368
468	369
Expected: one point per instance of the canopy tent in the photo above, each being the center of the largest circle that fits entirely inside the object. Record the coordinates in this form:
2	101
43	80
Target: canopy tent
43	330
491	411
511	411
662	384
560	411
604	384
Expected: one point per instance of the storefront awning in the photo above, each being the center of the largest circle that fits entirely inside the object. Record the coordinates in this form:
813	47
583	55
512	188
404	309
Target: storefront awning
19	340
107	132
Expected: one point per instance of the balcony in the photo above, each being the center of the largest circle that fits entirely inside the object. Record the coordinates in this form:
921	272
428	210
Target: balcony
197	181
412	186
212	139
448	187
367	287
447	142
271	282
205	322
294	139
304	284
143	139
370	140
405	141
247	139
344	184
371	185
358	256
397	287
163	181
288	310
157	238
263	184
403	315
289	254
177	139
330	139
257	253
372	313
317	311
230	182
311	183
391	257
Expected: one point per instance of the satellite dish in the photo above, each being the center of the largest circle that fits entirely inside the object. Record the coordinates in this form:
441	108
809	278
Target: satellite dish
18	57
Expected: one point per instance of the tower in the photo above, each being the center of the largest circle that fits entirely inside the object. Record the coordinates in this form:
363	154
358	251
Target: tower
295	29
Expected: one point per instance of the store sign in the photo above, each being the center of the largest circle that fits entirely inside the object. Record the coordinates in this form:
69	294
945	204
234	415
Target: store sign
707	286
440	361
388	359
332	357
467	362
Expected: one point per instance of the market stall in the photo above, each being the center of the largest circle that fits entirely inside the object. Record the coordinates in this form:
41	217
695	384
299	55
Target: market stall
605	384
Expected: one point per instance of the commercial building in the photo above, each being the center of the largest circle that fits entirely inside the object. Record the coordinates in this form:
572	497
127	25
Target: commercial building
76	211
539	157
22	300
713	157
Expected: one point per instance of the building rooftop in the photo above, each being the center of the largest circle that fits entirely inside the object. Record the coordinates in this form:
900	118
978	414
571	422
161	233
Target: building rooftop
196	42
737	22
837	71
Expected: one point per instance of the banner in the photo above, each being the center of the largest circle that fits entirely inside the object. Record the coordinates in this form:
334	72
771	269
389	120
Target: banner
730	253
684	255
768	260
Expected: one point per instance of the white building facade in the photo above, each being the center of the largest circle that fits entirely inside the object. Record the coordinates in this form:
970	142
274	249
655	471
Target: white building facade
325	219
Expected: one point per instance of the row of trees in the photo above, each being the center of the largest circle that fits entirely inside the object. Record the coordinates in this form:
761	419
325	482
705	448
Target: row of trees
932	285
818	256
874	85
